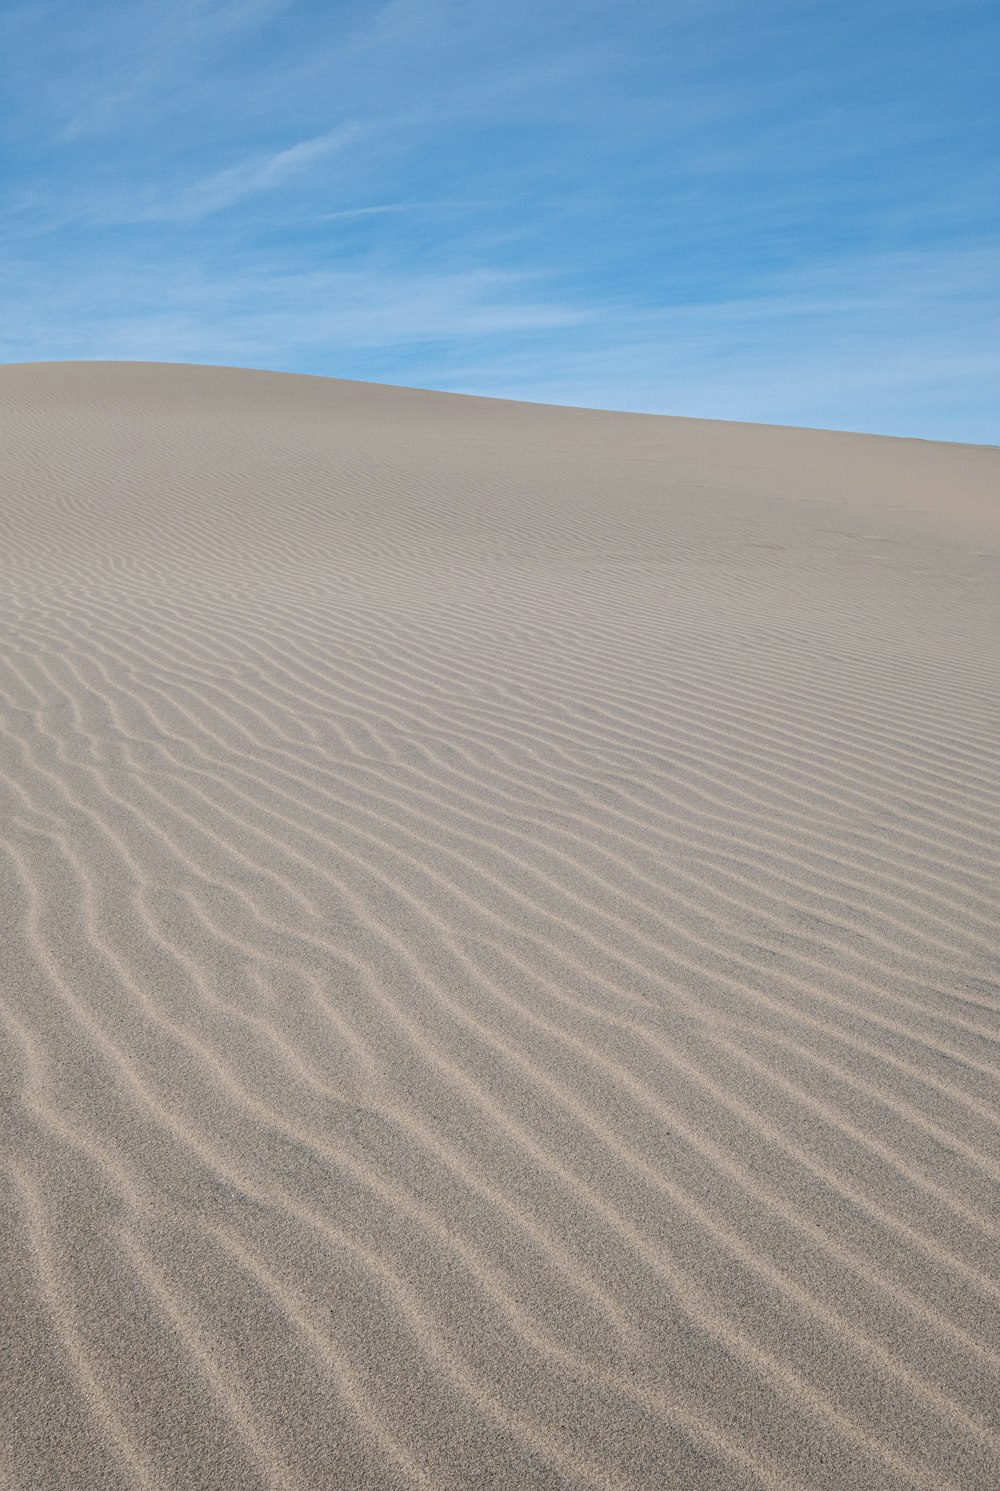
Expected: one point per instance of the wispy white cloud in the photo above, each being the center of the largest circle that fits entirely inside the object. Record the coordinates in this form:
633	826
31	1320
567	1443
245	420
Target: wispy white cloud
141	55
260	173
275	319
346	214
837	344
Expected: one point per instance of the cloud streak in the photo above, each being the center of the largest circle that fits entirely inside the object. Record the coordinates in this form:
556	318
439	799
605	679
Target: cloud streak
260	173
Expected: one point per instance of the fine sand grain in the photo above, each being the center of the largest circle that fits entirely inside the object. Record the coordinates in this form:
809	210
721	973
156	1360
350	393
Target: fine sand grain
499	967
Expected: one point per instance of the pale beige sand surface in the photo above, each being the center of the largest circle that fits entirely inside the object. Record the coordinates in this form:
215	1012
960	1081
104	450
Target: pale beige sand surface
499	969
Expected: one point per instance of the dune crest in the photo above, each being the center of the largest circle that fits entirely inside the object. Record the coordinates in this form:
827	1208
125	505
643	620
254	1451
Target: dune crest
501	928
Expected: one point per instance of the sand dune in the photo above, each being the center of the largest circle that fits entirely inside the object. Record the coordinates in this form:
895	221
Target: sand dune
500	966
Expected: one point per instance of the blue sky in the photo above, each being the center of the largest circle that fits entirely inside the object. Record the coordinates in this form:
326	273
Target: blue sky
781	211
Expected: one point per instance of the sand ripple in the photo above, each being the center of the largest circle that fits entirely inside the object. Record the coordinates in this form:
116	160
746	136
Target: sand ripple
500	972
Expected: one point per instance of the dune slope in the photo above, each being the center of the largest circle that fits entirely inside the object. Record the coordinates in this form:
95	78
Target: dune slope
499	963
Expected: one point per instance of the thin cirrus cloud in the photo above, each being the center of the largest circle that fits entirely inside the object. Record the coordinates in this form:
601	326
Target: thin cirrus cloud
260	173
194	316
838	342
784	212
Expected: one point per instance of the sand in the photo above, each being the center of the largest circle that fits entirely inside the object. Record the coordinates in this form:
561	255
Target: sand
500	961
